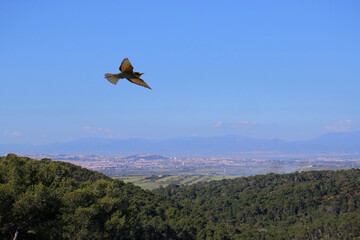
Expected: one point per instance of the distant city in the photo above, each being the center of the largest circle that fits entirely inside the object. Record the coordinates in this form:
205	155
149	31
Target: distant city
150	164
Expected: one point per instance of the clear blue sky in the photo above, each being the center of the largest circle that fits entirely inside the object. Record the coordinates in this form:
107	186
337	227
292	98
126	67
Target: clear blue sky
264	69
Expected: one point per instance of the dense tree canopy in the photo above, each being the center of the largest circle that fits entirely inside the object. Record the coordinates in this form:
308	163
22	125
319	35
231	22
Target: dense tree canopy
56	200
44	199
316	204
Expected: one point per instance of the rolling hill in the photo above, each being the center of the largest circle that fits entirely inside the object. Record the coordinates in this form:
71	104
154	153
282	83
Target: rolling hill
44	199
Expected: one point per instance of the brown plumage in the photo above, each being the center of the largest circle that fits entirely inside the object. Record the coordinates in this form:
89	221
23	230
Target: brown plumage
126	71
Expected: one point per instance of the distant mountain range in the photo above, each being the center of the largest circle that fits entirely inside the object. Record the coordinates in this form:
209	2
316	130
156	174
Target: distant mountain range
229	145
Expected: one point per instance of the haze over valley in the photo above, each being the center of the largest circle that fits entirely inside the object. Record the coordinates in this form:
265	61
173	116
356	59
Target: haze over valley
222	146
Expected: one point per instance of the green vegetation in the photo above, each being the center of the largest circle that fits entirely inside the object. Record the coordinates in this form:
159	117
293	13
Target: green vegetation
154	182
56	200
307	205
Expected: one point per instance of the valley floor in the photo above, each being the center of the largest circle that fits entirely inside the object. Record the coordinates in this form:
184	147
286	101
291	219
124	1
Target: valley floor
155	181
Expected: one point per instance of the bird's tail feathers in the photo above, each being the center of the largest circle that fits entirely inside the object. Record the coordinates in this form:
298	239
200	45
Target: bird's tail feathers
113	78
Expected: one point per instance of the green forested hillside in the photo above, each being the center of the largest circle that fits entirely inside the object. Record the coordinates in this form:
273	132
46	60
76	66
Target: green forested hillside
55	200
307	205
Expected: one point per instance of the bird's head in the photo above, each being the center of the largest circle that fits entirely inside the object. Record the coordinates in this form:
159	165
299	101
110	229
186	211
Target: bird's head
138	74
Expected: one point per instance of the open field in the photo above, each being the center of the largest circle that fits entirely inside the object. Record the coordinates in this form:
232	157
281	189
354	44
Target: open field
152	182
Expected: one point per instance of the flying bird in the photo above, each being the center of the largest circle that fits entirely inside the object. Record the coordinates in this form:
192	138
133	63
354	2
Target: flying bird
127	72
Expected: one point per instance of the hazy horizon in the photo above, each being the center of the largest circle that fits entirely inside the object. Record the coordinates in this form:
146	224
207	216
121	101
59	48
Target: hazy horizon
284	70
180	137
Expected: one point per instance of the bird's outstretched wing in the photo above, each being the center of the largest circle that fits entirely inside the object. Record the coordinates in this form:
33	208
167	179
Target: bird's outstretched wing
139	81
126	66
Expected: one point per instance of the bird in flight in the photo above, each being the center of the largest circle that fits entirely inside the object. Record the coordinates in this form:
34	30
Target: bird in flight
126	71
